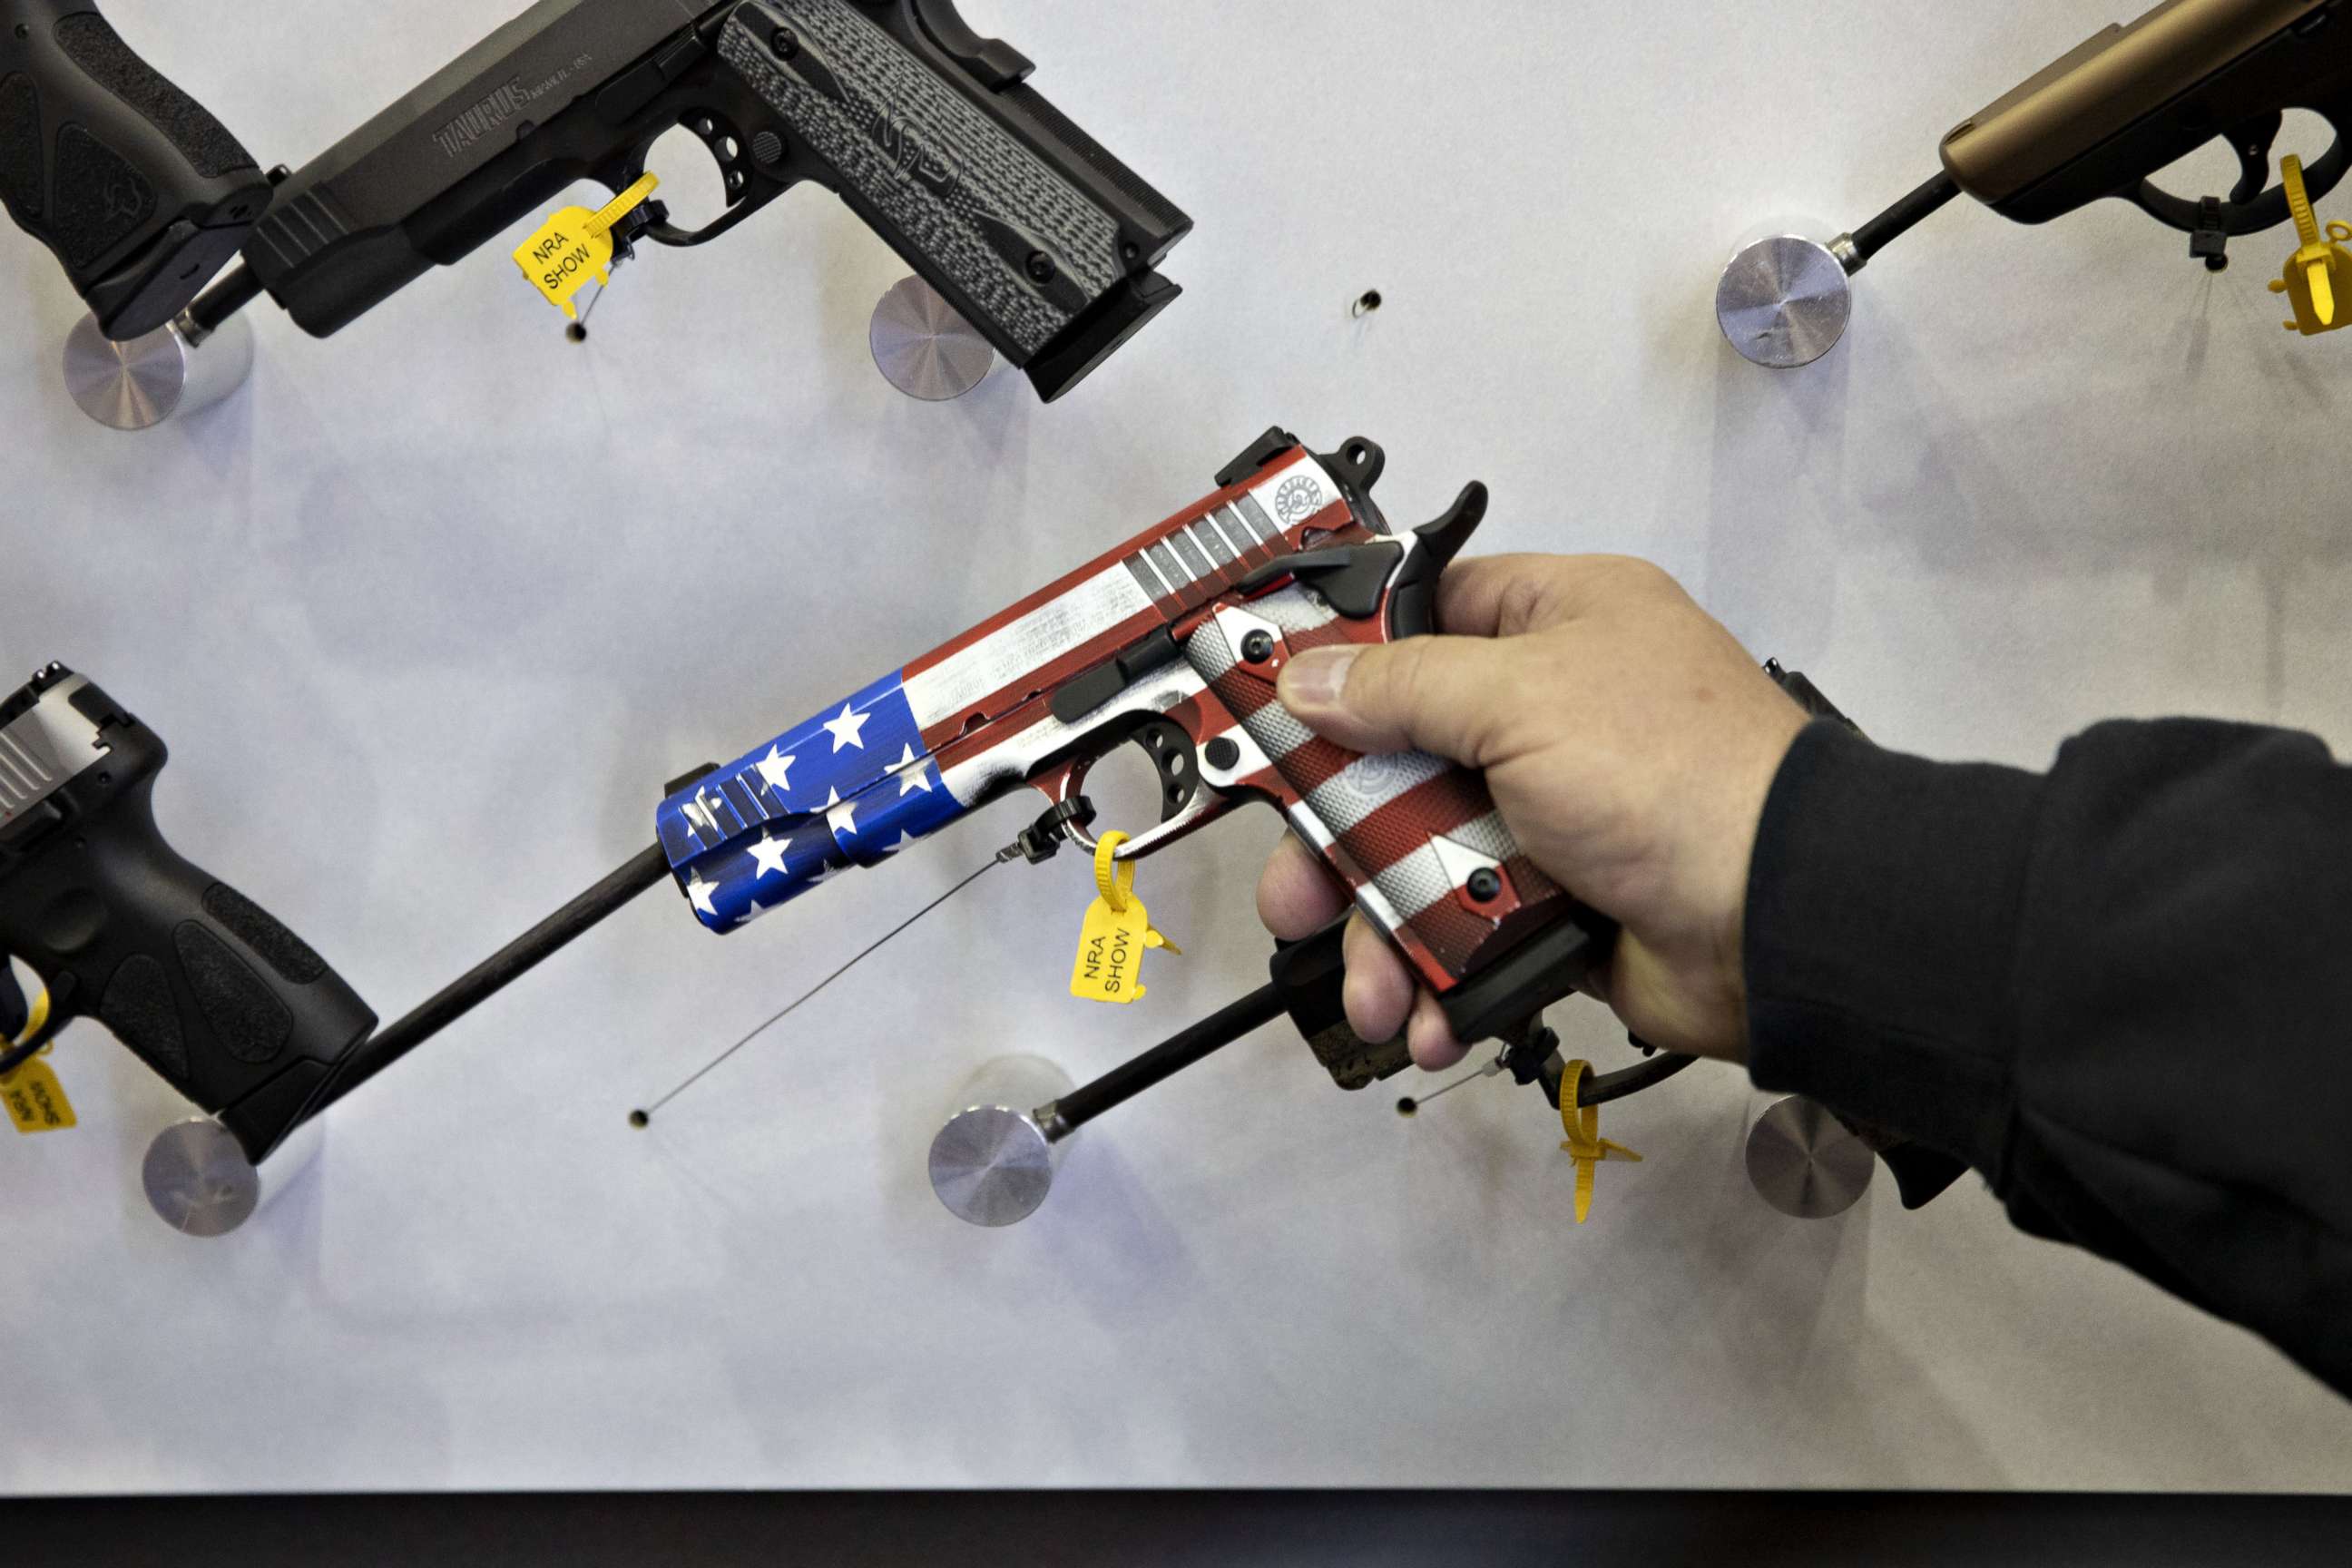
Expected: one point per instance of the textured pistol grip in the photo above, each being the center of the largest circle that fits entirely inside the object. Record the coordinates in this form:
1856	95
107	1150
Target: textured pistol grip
236	1012
1415	838
140	192
1036	234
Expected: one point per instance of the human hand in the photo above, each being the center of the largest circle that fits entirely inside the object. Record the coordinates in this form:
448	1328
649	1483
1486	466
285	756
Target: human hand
1629	742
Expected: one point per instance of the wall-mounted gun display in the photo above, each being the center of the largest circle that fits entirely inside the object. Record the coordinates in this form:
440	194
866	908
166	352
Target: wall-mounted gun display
1170	642
2100	122
1034	235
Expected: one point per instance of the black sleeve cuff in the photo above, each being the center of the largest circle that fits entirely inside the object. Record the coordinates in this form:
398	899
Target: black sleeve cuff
1883	907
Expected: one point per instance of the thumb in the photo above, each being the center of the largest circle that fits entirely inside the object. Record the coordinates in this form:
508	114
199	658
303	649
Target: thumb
1437	693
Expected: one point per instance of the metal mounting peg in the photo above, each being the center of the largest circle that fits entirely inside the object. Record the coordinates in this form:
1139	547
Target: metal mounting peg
200	1183
924	348
1784	300
1806	1162
993	1163
177	369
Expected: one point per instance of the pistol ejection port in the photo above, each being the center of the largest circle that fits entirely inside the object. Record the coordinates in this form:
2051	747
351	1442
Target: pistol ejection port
924	348
1784	301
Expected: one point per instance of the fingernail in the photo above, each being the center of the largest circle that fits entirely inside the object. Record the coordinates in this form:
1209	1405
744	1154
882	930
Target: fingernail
1318	677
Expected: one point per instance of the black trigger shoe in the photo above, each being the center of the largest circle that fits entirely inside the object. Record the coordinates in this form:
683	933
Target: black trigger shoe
1413	610
15	1010
2253	143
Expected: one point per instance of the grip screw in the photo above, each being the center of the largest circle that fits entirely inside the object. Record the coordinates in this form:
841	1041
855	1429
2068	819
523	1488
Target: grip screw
1041	267
784	42
1221	753
1486	885
1257	647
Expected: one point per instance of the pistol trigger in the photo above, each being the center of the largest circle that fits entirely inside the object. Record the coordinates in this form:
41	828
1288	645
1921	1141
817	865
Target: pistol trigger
1188	802
15	1010
1176	761
2253	143
48	1012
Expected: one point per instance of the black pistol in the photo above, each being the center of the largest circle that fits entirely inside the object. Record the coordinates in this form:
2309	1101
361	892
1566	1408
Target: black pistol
1043	240
140	192
234	1010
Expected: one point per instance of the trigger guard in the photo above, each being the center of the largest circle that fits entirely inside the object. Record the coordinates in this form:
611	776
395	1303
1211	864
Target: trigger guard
1174	758
15	1010
745	190
2265	212
51	1006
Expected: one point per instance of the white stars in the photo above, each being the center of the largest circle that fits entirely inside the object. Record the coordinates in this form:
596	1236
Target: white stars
905	839
769	856
911	776
776	768
843	817
699	892
846	730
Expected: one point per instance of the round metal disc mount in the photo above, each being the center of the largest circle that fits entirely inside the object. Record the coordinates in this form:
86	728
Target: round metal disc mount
924	348
1805	1162
198	1181
992	1166
138	384
1784	301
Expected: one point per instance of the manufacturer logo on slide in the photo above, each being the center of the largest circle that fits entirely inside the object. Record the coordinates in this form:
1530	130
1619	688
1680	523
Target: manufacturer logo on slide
499	107
1299	499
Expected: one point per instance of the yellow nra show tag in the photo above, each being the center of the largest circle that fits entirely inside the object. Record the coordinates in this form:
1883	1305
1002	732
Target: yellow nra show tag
575	245
2318	272
1118	932
1585	1145
35	1100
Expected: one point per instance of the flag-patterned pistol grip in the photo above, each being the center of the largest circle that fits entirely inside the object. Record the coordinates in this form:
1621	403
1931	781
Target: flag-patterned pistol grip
1416	839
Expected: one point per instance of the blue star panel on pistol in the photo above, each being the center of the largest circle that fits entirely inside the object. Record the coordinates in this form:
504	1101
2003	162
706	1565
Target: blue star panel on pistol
851	786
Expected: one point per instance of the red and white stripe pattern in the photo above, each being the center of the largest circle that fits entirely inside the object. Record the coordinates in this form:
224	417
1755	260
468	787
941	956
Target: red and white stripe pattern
1407	831
984	699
